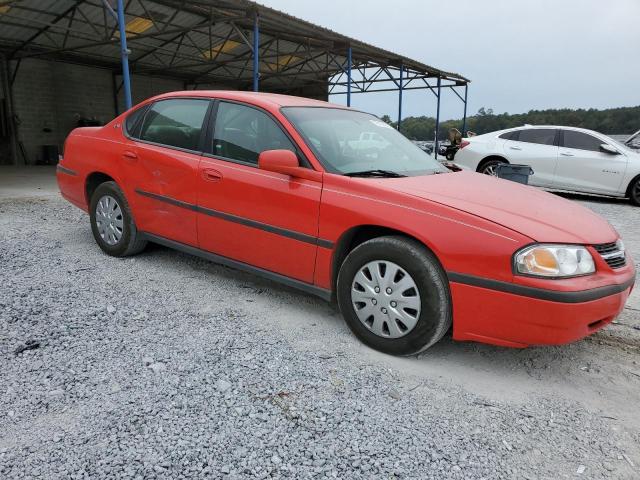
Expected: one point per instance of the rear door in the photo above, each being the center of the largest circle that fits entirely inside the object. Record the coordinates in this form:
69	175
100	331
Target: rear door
265	219
163	165
582	166
537	147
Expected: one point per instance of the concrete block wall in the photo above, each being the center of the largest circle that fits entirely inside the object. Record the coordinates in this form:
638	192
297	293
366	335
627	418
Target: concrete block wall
145	87
35	107
51	96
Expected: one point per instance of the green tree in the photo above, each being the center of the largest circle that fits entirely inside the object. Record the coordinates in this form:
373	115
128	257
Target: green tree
624	120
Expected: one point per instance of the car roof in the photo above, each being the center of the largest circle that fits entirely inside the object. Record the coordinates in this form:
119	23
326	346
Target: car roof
257	98
497	133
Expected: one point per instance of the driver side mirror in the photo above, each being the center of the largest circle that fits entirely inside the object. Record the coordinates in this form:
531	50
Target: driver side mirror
609	149
287	163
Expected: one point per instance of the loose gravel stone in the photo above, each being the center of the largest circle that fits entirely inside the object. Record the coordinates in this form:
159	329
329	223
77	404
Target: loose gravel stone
178	377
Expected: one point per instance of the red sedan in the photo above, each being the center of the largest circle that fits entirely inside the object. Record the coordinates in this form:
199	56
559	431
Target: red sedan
337	203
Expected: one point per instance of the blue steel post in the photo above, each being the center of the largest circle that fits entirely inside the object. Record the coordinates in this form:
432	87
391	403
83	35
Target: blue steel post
464	117
126	80
400	97
349	76
437	118
256	53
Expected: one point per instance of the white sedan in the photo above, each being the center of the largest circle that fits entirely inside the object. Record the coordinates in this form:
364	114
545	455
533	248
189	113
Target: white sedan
562	158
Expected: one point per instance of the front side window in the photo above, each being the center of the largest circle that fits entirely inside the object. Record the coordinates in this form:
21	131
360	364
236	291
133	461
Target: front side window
241	133
581	141
541	136
175	122
347	142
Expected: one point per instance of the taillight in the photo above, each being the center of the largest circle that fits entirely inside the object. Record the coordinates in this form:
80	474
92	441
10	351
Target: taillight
463	144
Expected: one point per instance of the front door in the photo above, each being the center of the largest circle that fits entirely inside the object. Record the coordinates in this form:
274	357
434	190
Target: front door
265	219
584	167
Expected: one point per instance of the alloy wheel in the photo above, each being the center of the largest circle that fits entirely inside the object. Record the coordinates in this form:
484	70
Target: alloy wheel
386	299
491	170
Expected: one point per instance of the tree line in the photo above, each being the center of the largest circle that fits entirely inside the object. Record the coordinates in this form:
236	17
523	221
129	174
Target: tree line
624	120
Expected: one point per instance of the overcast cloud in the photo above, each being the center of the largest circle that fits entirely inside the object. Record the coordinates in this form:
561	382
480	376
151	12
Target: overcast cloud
520	55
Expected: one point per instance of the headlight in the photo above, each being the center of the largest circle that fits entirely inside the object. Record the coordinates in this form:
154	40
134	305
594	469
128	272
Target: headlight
554	261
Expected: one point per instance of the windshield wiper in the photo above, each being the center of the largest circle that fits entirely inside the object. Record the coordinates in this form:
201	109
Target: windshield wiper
375	173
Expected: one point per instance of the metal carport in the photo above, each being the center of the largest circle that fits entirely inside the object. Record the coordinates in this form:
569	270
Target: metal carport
233	44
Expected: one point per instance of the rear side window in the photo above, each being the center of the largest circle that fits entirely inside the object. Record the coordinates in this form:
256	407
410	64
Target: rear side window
175	123
243	132
581	141
541	136
511	135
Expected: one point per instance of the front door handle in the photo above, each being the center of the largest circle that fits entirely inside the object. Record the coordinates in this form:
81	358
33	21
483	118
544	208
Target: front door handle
515	148
567	154
211	175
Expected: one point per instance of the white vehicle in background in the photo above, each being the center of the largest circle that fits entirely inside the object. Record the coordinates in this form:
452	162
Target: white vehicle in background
562	158
368	141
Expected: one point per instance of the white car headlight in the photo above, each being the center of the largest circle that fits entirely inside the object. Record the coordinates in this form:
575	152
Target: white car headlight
554	261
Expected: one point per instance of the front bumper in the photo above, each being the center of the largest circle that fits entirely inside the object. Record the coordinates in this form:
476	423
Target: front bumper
522	318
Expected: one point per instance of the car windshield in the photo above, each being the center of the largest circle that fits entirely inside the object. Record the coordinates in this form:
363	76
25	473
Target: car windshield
619	144
355	143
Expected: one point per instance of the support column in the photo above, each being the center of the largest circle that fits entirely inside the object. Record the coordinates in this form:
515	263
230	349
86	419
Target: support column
7	88
349	76
435	150
400	96
256	53
464	117
124	52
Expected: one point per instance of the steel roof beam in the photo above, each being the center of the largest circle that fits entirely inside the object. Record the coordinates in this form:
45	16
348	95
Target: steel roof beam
46	28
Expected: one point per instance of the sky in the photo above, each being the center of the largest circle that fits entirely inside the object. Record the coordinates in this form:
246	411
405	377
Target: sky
520	55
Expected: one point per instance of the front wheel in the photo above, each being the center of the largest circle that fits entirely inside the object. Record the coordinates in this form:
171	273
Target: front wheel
112	224
635	192
394	295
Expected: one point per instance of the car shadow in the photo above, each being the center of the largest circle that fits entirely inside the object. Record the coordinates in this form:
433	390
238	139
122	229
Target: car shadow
326	316
314	326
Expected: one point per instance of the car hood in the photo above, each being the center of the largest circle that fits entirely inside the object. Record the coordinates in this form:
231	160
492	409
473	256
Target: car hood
539	215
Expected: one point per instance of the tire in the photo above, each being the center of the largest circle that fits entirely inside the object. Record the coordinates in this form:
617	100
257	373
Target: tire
634	192
430	322
489	168
121	239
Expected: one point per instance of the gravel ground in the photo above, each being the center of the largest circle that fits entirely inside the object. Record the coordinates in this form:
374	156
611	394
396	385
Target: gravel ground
168	366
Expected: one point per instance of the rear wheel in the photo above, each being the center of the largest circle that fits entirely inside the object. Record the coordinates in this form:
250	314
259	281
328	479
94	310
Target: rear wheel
634	192
490	167
111	222
394	295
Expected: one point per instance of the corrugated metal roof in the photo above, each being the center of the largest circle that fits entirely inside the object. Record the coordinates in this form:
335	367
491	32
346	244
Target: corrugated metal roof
200	41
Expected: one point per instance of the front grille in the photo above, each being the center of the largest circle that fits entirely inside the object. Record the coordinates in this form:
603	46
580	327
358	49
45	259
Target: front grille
612	253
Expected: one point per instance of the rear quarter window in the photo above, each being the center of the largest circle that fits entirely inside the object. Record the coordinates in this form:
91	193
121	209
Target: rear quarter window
133	121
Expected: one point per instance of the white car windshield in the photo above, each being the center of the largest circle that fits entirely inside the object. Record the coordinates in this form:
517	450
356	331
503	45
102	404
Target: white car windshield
620	145
352	143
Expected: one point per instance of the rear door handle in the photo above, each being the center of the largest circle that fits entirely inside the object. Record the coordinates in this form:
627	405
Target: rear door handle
567	154
129	155
211	175
515	148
